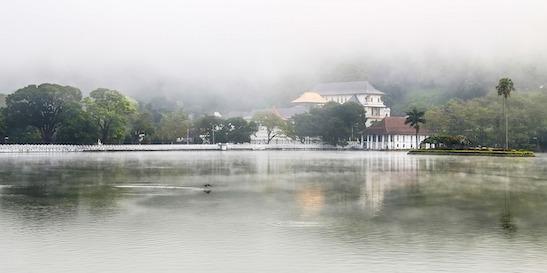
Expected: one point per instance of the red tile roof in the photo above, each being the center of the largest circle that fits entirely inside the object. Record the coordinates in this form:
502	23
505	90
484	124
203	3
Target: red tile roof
393	126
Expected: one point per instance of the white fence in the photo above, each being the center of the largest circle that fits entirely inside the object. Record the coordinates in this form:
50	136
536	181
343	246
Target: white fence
46	148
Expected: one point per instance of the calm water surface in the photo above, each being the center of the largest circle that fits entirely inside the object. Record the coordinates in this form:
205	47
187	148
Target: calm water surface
271	212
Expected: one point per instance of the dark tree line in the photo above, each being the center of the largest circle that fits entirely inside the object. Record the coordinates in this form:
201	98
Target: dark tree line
482	120
333	123
51	113
214	129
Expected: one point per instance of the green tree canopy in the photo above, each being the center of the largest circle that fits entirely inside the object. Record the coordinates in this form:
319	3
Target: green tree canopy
42	107
172	126
415	118
480	121
238	130
505	87
306	125
271	121
77	128
208	126
111	112
334	123
142	124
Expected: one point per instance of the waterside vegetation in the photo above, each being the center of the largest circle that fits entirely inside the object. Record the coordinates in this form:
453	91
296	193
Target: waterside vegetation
474	152
56	114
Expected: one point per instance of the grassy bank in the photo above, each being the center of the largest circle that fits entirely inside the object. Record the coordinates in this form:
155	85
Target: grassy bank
474	152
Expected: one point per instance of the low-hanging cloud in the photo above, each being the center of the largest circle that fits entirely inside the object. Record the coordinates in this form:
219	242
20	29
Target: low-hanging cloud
256	48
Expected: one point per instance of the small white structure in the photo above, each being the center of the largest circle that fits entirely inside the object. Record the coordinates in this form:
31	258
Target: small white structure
391	133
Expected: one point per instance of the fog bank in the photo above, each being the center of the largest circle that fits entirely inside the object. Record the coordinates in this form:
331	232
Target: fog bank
241	53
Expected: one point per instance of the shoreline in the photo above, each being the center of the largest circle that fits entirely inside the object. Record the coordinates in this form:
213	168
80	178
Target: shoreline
492	153
63	148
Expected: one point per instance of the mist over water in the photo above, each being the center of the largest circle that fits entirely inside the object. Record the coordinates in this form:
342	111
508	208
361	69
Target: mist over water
271	212
207	53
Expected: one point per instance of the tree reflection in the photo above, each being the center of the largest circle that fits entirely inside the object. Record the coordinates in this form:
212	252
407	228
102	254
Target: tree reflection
506	218
52	203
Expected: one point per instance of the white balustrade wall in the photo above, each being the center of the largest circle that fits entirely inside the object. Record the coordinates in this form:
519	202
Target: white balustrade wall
51	148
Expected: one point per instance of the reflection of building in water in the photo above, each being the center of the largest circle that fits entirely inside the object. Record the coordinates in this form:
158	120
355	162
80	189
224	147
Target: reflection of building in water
311	199
363	178
372	193
385	172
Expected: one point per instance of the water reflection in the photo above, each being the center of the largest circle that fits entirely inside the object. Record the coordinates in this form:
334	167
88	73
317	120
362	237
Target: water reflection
310	199
329	211
507	221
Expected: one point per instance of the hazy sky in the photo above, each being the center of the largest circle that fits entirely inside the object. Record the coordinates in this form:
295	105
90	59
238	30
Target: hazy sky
132	45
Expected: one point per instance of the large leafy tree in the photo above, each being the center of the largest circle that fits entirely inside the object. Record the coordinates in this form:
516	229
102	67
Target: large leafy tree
334	123
208	128
172	126
238	130
43	107
340	121
77	128
111	112
143	127
504	87
271	121
415	118
305	125
354	117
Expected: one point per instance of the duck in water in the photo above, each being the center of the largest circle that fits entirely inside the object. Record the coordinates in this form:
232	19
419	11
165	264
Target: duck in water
207	188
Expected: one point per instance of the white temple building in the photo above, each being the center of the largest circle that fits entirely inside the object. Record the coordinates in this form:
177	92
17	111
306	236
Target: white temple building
391	133
361	92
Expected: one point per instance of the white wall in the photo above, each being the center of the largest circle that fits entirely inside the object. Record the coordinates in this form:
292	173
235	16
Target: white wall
261	137
393	142
372	100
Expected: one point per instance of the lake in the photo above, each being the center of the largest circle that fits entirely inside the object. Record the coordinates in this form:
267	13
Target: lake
271	211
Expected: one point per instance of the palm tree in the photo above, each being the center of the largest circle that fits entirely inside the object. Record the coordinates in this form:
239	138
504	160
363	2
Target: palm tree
415	117
505	86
